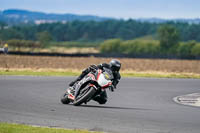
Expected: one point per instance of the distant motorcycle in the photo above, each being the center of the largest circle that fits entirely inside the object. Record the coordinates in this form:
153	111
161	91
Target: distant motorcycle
90	86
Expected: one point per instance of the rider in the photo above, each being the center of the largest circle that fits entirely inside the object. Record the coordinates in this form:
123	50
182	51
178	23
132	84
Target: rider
115	66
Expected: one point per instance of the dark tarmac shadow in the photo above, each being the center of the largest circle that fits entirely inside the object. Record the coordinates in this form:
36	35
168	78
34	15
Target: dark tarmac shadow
112	107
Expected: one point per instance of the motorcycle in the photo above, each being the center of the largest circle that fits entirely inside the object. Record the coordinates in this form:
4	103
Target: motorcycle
90	86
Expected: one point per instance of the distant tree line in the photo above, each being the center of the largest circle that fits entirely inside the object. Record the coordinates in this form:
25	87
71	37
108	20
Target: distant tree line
152	49
92	30
120	37
167	45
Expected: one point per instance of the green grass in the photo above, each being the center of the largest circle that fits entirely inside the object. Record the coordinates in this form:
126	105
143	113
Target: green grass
161	75
19	128
38	73
76	73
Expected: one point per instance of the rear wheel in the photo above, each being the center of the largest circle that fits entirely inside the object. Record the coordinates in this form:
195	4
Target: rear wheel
84	95
65	99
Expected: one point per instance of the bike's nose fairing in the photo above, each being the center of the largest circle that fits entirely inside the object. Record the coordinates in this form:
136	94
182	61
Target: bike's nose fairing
102	81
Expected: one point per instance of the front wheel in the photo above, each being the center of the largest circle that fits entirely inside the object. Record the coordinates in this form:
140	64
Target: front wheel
84	96
64	98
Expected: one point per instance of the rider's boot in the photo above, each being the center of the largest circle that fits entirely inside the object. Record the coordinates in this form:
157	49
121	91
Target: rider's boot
100	100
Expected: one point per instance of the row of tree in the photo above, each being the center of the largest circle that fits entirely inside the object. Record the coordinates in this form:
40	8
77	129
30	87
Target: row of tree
171	39
92	30
168	45
143	48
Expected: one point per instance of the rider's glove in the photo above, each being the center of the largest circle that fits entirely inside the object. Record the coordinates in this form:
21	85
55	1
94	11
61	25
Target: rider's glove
111	88
93	67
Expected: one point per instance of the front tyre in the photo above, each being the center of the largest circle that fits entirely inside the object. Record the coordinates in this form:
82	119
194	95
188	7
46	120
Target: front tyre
83	97
64	98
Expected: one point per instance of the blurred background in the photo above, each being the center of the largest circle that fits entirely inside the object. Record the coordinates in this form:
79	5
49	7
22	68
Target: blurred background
139	28
153	29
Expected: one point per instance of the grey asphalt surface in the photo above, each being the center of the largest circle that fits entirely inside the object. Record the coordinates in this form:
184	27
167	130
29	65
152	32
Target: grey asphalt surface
139	105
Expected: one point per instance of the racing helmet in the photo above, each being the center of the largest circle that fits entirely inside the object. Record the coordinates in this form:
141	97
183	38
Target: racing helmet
115	65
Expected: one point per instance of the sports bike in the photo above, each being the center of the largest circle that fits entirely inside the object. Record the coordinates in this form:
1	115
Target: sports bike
90	86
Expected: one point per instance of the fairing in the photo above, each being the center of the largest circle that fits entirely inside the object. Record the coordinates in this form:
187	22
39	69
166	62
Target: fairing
102	81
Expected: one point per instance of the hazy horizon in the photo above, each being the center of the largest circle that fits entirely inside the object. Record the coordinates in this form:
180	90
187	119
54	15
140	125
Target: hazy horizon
125	9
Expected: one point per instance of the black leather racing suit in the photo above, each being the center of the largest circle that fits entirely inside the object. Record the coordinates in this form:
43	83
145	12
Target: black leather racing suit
102	97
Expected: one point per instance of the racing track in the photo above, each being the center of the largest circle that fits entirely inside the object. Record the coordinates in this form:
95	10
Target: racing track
139	105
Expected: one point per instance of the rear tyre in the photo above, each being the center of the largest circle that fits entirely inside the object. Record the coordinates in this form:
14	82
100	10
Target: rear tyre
65	99
87	95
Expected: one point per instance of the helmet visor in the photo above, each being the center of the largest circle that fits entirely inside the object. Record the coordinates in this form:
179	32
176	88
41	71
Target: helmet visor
116	68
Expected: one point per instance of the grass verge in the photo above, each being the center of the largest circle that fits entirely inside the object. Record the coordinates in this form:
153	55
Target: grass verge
19	128
63	72
160	75
42	72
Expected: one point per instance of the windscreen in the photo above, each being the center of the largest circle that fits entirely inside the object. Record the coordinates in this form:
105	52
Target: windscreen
108	74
